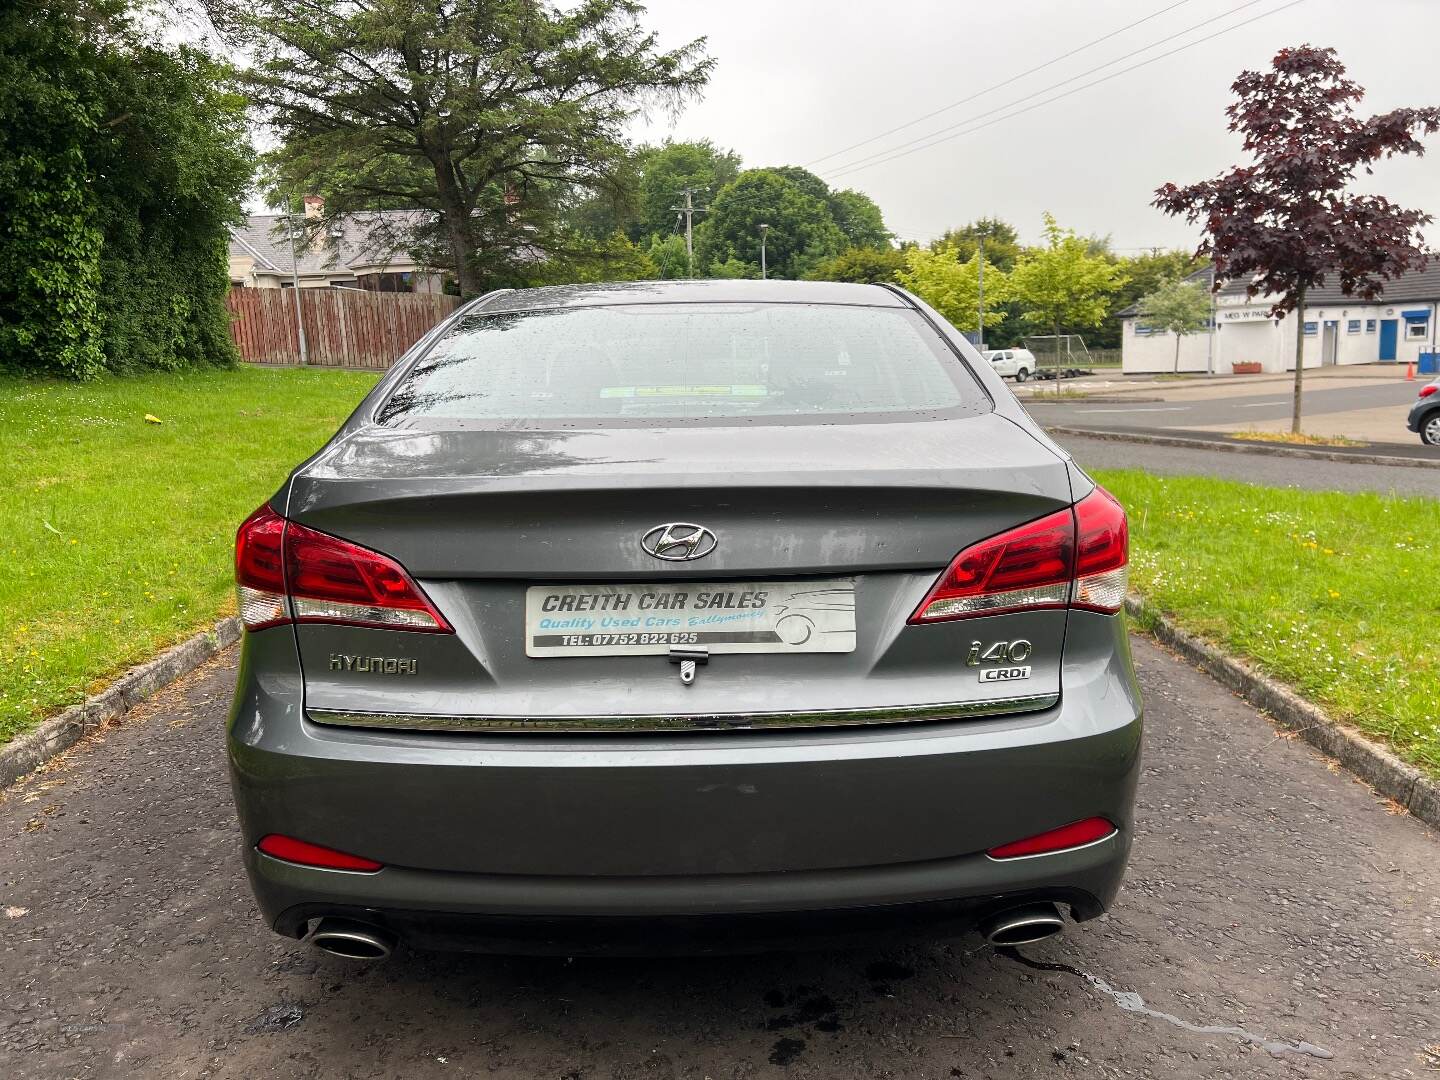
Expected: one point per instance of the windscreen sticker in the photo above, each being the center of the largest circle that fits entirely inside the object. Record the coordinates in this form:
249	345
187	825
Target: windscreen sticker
734	390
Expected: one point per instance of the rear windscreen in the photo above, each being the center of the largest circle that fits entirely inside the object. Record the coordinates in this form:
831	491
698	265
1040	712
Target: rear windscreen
685	362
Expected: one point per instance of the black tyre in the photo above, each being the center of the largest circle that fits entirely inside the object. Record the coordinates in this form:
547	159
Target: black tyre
1021	374
1430	429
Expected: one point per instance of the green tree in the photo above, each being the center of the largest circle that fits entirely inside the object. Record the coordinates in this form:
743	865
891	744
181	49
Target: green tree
805	180
802	231
669	256
583	259
860	265
123	161
953	288
1144	273
1063	284
1178	307
668	169
858	217
491	113
733	268
1002	242
50	242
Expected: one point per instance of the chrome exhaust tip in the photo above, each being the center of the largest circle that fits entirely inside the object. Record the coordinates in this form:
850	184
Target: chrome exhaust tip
352	940
1023	925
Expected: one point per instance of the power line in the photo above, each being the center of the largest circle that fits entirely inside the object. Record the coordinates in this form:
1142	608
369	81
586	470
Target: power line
997	86
866	158
898	152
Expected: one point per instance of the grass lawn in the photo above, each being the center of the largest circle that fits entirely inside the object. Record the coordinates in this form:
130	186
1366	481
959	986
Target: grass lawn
118	532
1330	592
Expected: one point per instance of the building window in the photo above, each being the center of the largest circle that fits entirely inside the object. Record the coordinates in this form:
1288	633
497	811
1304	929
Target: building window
387	282
1311	329
1353	326
1416	331
1369	326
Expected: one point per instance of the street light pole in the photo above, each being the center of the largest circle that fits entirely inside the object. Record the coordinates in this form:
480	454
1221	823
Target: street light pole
980	325
764	269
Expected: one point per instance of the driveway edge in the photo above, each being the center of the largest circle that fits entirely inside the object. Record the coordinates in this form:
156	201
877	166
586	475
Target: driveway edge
1368	760
62	732
1232	447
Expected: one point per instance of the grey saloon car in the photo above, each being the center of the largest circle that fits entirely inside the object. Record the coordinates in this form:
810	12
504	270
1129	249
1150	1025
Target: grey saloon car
684	615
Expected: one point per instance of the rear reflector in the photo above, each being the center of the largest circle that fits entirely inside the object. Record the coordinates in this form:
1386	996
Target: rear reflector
1071	558
289	573
298	851
1076	834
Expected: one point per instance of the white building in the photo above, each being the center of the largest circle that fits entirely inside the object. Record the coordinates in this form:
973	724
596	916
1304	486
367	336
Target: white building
1337	329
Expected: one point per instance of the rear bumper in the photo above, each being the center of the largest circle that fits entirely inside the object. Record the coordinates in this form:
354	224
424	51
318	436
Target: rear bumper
528	842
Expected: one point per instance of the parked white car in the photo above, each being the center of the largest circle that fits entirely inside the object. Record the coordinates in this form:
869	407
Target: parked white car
1018	364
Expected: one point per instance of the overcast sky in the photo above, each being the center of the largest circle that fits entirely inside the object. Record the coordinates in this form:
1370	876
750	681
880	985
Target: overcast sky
801	79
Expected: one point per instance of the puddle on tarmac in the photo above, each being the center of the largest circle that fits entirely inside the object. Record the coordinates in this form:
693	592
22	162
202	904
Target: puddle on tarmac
1132	1002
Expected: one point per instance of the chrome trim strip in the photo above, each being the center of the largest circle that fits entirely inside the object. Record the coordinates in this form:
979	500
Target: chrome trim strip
903	714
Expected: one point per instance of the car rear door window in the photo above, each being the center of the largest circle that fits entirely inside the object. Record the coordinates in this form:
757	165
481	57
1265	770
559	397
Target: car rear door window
698	363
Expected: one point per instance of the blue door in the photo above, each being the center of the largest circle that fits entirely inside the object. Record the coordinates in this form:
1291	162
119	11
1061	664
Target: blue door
1389	334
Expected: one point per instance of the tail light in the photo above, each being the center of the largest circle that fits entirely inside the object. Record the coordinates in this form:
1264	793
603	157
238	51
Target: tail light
1071	558
289	573
1427	390
1076	834
1102	552
307	854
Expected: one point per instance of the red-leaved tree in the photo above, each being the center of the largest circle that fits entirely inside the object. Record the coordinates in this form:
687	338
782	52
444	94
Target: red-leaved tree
1287	222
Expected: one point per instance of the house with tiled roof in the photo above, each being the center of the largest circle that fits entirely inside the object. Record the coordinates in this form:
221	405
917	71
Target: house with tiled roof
1337	329
360	251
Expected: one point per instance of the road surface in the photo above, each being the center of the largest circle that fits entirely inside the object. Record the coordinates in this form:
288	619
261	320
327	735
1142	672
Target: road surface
1277	922
1269	469
1194	412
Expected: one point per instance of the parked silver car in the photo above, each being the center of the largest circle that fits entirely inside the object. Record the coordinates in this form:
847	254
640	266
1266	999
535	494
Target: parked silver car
684	615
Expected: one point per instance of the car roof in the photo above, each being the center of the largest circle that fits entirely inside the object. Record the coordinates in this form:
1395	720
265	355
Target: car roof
691	292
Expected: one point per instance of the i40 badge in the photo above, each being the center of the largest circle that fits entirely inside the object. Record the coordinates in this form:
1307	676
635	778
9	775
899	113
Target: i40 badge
1008	656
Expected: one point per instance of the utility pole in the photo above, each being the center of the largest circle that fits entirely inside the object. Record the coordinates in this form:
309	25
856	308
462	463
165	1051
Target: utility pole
295	286
764	269
980	326
690	210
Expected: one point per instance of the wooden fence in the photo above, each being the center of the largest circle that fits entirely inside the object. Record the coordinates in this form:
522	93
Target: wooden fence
343	327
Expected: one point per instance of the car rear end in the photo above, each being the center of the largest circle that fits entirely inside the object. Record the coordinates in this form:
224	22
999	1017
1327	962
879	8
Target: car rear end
730	616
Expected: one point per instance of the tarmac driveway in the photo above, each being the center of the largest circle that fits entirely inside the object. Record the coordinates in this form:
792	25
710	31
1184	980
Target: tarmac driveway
1277	921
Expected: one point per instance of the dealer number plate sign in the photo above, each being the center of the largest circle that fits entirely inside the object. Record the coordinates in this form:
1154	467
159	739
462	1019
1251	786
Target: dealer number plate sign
733	617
